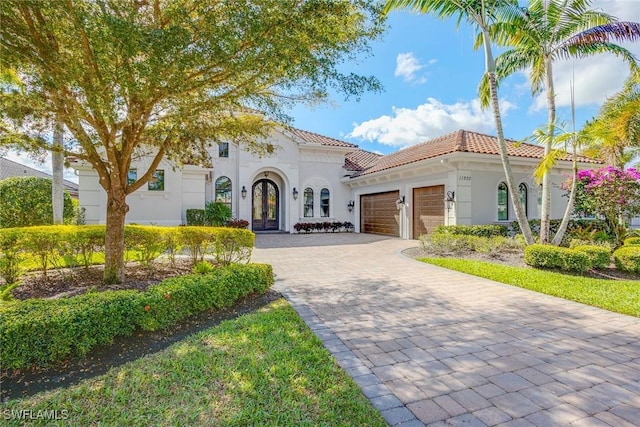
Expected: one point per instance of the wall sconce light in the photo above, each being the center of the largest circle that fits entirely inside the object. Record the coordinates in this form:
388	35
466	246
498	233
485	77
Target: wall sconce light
244	192
400	202
450	199
266	174
351	205
295	194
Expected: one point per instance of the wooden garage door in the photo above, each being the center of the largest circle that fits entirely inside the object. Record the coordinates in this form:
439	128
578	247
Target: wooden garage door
428	209
379	214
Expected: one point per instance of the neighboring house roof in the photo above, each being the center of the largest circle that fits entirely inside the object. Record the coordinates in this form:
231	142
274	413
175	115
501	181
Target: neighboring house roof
461	141
10	169
314	138
360	160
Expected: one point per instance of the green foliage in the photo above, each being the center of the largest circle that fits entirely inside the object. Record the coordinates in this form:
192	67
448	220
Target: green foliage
547	256
5	292
146	242
217	214
172	243
583	229
10	255
26	201
196	217
40	332
449	243
46	243
627	258
203	267
599	257
232	245
489	230
265	368
632	241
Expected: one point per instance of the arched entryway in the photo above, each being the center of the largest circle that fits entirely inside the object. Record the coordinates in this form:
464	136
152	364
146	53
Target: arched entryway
265	205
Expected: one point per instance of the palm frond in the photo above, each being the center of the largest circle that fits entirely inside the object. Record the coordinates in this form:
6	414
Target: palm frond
621	31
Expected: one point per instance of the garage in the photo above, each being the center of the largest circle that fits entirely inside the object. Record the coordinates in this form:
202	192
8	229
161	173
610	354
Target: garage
379	213
428	209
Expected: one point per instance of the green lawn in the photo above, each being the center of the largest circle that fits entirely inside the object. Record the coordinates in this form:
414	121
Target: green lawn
622	296
265	368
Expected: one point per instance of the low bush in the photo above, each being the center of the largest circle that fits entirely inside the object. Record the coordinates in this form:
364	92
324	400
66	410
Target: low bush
627	258
583	229
10	255
146	242
599	256
445	243
231	245
40	332
237	223
217	214
632	241
547	256
489	230
196	217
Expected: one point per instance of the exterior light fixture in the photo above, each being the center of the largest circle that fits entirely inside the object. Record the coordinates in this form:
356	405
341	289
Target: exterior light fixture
295	194
351	205
244	192
400	202
450	199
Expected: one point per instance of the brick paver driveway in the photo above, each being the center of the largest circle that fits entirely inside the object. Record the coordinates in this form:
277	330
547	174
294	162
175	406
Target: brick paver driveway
433	346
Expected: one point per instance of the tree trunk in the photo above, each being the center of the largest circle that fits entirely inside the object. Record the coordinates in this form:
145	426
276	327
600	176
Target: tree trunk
523	222
117	209
57	182
545	215
557	239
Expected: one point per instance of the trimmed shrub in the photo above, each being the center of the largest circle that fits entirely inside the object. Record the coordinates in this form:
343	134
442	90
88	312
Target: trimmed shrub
632	241
237	223
333	227
599	257
41	332
232	245
217	214
26	201
10	256
196	217
583	229
627	258
547	256
489	230
146	242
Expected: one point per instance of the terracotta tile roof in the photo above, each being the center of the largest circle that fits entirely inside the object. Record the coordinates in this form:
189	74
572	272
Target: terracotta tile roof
460	141
314	138
360	160
9	169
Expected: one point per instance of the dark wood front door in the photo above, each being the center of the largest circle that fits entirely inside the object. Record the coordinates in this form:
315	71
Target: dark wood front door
266	203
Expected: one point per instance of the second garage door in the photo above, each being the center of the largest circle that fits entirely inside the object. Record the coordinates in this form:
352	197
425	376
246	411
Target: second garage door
428	209
379	213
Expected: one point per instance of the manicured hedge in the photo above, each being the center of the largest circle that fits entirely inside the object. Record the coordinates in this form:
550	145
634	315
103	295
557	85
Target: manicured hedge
632	241
599	257
547	256
41	332
489	230
627	258
74	245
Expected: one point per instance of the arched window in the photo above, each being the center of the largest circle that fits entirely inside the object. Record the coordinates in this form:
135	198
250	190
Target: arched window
524	197
223	190
324	202
503	207
308	202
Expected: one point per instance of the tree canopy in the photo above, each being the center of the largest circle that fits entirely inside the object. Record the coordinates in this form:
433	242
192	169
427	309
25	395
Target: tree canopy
167	79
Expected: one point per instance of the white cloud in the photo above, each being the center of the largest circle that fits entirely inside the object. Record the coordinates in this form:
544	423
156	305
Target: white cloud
407	67
432	119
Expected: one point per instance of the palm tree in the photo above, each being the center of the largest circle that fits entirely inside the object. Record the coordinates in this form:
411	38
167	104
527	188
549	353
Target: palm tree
57	179
548	30
481	13
615	132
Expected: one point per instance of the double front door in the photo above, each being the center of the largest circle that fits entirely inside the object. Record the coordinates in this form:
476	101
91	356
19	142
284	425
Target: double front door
266	200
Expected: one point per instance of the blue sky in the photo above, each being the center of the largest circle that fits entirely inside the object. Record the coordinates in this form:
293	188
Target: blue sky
430	74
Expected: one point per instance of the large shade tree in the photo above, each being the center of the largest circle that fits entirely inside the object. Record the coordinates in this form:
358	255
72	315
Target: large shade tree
547	31
167	78
482	14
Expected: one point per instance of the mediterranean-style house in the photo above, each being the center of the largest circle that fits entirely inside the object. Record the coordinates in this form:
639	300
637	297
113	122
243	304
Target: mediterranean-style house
453	179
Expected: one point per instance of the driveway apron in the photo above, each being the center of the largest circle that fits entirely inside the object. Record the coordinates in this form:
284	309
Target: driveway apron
430	346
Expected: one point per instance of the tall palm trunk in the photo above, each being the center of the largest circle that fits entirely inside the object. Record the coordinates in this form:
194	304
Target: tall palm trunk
57	166
523	222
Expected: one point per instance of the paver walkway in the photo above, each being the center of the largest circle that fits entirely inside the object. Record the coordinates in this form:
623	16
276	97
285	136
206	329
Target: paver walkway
437	347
